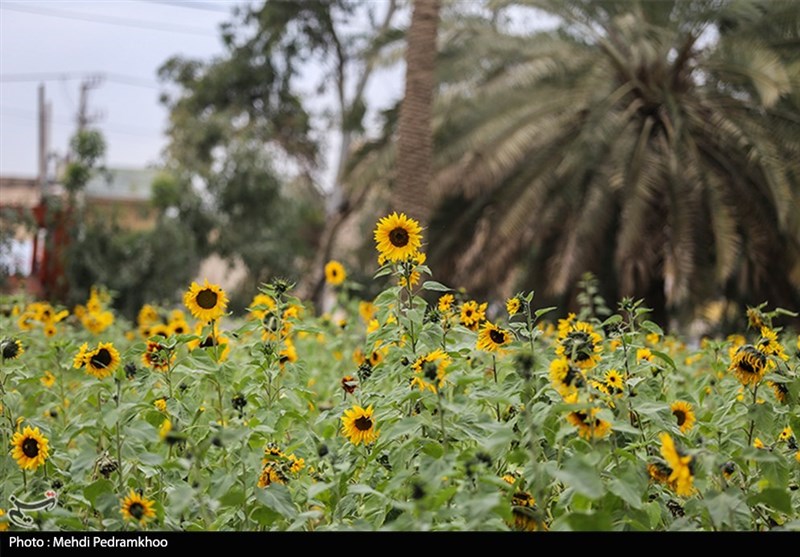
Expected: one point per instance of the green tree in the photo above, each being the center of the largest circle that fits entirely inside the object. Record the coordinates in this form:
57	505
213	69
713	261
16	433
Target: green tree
248	100
656	144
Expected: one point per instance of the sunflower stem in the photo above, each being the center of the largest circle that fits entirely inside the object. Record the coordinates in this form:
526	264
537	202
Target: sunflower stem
441	419
494	374
753	421
219	401
121	468
244	483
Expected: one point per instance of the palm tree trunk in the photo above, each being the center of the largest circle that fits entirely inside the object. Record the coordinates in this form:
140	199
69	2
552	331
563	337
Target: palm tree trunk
415	133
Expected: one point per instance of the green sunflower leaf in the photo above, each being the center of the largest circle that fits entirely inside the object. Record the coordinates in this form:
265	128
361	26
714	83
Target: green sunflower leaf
778	499
277	498
435	286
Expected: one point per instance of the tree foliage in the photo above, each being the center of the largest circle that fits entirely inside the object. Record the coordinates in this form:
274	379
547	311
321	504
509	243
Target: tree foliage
655	144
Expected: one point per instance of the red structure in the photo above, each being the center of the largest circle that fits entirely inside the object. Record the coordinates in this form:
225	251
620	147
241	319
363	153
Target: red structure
49	238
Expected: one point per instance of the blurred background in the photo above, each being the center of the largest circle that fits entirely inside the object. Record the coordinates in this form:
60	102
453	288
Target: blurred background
653	144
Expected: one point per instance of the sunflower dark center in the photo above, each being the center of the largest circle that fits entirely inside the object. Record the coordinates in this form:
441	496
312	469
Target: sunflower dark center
137	510
522	499
102	359
399	237
745	366
498	337
582	417
680	415
468	313
179	330
206	298
429	370
363	423
30	447
572	377
10	350
208	342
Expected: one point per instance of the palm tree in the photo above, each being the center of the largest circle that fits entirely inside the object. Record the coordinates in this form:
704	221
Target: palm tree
656	144
415	133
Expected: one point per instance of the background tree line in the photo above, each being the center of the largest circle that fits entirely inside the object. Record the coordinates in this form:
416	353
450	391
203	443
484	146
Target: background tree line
655	144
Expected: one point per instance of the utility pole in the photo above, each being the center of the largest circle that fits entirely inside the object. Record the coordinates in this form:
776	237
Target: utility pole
87	84
43	141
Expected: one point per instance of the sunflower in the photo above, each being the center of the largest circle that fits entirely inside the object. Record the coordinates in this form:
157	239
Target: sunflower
684	414
261	306
100	362
614	381
397	237
565	378
136	507
749	365
523	509
206	302
30	448
588	424
178	327
48	379
411	282
367	311
3	523
159	330
492	338
271	474
157	356
288	354
512	306
11	349
378	354
334	273
215	342
728	470
682	477
659	471
644	354
26	321
600	387
349	384
160	404
431	370
755	319
769	345
445	303
358	425
759	444
78	361
472	314
786	434
580	344
165	429
781	391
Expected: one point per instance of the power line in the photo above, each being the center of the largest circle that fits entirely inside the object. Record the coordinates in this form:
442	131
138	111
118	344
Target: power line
30	115
110	20
205	6
64	76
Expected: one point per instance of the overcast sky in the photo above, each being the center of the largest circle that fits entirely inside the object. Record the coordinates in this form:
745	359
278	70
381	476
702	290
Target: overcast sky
125	40
60	43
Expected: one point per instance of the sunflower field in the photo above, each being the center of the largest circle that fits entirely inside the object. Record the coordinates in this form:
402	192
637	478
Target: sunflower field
421	409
